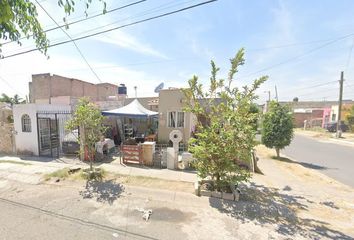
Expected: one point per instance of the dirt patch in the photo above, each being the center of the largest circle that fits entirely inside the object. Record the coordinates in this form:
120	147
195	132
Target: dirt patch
151	182
171	215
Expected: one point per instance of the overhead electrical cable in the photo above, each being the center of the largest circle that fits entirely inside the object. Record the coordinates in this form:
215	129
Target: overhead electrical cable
77	48
115	28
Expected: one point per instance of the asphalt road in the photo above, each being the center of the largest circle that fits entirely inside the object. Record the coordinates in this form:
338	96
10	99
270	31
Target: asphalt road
332	159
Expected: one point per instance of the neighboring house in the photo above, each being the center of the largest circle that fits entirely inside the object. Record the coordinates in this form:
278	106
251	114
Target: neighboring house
40	128
6	129
315	113
40	125
54	89
172	116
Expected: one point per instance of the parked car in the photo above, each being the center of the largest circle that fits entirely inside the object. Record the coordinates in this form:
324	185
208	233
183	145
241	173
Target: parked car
332	126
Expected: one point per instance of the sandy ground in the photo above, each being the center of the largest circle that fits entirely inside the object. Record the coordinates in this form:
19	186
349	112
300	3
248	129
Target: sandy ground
317	201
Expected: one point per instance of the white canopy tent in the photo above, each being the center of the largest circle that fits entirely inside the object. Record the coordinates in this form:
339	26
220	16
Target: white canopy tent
133	109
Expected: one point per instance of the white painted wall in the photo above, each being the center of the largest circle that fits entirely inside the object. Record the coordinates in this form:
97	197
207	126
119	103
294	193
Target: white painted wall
28	141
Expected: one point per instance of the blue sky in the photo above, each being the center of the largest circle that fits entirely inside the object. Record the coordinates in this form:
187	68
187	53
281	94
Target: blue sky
296	43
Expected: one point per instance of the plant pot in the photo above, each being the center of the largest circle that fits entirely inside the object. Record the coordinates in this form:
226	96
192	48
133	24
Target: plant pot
205	193
216	194
228	196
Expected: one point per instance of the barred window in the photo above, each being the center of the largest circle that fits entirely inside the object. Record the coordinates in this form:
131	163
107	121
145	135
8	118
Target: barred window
26	123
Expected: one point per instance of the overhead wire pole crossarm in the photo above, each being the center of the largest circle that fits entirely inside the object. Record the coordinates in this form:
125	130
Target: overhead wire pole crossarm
116	28
77	48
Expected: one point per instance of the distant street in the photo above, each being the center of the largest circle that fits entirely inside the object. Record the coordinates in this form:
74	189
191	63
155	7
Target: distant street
334	160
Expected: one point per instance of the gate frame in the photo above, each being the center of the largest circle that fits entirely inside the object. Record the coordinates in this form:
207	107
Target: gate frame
55	113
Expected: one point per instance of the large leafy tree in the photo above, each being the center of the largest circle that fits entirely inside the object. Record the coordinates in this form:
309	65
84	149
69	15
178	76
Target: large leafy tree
18	18
88	119
278	125
227	137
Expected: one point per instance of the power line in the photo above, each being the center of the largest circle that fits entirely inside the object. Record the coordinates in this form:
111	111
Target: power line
80	20
119	27
147	12
317	85
77	48
290	45
9	85
299	56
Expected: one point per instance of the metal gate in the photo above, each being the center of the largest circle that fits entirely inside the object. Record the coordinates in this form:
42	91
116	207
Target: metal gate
51	132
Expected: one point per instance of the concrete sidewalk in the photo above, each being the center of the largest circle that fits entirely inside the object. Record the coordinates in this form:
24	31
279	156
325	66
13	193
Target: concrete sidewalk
32	169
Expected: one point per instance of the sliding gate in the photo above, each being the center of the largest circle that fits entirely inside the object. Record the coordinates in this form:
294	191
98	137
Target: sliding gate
51	132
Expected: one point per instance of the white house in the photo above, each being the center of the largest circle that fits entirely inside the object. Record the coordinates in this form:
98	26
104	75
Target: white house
40	128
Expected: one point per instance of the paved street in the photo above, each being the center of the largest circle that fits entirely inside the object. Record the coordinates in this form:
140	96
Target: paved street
286	201
333	159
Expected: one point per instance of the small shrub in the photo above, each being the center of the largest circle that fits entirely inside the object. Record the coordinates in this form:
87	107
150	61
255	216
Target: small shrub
97	174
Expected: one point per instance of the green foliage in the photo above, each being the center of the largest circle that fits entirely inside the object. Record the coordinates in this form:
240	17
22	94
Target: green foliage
229	135
277	130
88	118
12	100
19	18
350	118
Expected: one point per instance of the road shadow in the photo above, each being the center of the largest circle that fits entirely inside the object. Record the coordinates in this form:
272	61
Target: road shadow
306	165
103	191
262	205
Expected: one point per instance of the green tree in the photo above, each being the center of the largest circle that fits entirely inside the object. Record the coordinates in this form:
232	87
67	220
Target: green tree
5	98
229	135
12	100
18	18
350	118
277	130
88	118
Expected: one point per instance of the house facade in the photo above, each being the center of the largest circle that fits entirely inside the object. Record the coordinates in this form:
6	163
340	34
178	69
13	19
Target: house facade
316	113
40	128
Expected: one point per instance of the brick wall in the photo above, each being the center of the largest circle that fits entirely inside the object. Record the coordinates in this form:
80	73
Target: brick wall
46	86
299	118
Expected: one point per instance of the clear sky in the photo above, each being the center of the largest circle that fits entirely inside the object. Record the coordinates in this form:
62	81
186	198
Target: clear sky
301	45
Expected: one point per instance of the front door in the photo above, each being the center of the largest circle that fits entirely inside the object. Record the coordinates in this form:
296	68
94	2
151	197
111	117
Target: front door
48	137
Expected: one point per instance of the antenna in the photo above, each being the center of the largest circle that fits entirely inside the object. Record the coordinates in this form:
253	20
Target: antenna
159	88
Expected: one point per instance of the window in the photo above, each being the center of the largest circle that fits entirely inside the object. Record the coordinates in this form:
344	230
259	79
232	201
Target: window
180	119
172	119
334	116
26	123
175	119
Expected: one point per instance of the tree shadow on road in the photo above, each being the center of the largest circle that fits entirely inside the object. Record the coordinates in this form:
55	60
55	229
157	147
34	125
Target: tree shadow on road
306	165
103	191
262	205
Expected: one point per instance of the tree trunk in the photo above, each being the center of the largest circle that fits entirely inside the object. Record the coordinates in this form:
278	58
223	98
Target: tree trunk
278	152
82	143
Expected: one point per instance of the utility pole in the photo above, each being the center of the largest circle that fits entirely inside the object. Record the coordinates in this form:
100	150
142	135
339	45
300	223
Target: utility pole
276	93
339	130
268	102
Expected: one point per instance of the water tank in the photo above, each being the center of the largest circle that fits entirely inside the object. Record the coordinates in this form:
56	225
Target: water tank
122	89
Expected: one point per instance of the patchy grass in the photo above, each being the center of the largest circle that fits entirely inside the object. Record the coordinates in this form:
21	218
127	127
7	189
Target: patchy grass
141	181
61	173
15	162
